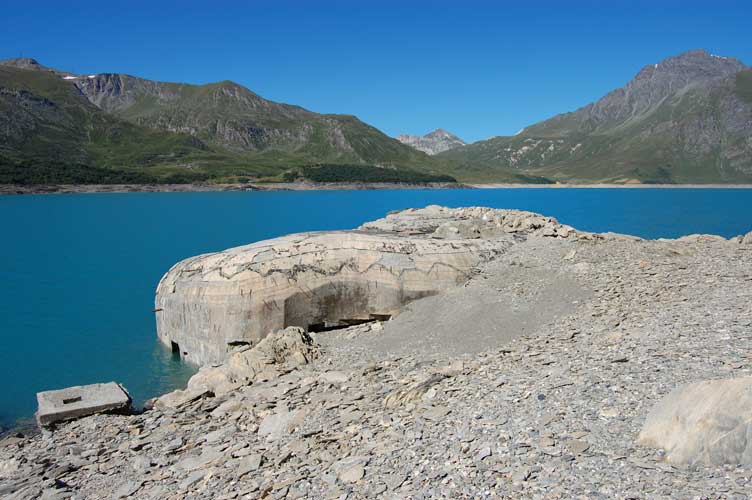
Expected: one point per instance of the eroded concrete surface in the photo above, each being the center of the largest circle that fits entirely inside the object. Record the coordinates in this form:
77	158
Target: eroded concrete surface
209	304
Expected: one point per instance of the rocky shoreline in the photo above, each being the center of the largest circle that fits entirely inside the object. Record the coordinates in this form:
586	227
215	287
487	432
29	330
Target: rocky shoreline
532	380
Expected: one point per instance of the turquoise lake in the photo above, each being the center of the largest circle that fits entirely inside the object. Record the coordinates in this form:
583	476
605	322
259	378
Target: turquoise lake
78	272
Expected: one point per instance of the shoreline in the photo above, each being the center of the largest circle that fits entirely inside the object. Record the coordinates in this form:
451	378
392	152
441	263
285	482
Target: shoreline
14	189
495	185
540	369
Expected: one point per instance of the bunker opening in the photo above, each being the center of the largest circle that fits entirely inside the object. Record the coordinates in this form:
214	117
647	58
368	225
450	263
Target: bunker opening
342	304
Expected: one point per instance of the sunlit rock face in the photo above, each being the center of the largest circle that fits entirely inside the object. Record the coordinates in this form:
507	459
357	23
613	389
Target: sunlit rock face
209	304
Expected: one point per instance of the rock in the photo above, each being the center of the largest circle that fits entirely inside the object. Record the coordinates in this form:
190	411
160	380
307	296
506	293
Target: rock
127	489
80	401
251	463
747	239
334	377
703	423
483	453
179	398
192	479
8	468
413	392
351	470
208	456
702	238
577	446
276	425
293	344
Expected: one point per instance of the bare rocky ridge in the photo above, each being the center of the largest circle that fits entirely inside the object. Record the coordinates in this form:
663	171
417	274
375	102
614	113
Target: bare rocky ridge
432	143
593	331
687	118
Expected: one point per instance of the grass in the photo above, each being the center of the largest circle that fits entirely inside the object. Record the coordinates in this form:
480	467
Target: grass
363	173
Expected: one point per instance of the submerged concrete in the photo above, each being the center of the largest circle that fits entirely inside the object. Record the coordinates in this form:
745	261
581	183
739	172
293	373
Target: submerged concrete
80	401
209	304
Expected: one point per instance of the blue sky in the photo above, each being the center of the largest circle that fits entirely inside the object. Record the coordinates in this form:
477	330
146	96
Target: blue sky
476	68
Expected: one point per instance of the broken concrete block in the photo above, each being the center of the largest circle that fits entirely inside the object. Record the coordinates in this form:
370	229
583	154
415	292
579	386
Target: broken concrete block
80	401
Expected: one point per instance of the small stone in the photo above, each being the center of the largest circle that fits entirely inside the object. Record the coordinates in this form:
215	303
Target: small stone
127	489
483	453
335	377
192	479
577	446
251	463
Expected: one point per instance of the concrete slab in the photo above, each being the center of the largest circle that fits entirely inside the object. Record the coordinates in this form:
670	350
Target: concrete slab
80	401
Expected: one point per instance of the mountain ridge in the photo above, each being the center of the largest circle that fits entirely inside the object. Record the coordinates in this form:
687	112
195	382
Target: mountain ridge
434	142
685	119
682	120
235	133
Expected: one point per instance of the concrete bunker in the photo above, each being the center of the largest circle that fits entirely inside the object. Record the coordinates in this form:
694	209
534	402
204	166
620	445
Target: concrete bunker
344	303
214	304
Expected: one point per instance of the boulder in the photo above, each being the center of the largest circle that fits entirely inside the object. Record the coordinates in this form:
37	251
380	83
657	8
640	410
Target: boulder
707	422
701	238
747	239
275	354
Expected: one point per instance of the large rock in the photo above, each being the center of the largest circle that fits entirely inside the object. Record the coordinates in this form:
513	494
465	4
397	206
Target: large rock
706	422
274	354
208	305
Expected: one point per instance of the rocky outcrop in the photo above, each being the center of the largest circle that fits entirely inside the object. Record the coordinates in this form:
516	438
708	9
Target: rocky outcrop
432	143
210	304
707	422
274	355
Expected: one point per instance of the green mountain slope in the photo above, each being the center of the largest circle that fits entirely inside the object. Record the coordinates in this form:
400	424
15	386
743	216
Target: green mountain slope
49	132
231	116
687	119
60	127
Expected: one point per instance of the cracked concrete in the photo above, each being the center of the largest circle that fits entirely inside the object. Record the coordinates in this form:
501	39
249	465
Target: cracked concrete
208	304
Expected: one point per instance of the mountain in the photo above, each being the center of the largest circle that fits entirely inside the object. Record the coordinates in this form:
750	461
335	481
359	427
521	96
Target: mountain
174	130
49	132
432	143
686	119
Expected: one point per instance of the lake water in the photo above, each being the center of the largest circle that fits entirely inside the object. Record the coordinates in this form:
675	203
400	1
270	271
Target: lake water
78	272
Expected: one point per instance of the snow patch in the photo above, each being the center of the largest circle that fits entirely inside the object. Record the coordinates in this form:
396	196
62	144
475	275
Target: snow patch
69	77
92	76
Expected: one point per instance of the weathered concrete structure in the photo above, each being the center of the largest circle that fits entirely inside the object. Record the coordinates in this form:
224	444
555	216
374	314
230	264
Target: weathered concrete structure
80	401
207	304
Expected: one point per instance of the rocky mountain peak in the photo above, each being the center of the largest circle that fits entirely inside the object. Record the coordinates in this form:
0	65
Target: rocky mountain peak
432	143
692	66
23	63
642	95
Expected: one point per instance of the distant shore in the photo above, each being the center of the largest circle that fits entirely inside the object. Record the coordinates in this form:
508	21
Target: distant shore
10	189
609	186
